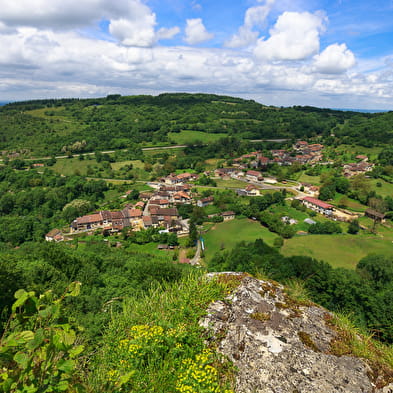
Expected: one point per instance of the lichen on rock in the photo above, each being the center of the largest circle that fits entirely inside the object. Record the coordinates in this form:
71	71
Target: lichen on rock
280	346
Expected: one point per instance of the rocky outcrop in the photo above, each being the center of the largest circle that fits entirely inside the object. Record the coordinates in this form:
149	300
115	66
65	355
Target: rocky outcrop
280	346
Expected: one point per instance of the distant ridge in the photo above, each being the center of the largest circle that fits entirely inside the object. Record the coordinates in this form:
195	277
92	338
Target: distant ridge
4	103
361	110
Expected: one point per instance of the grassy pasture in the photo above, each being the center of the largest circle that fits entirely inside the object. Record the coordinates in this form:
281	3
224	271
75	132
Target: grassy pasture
338	250
186	137
226	234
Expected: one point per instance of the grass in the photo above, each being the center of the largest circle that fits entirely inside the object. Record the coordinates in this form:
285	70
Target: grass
187	137
338	250
314	180
137	164
351	204
231	183
353	341
385	190
225	235
72	166
156	343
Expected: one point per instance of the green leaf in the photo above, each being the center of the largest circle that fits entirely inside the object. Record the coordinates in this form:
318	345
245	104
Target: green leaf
74	352
62	339
62	386
66	366
38	339
22	359
74	289
15	339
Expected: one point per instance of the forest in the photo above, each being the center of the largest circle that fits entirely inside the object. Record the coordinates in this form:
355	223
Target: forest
70	126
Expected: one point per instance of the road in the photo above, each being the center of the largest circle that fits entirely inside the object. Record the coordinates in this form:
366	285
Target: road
143	149
197	256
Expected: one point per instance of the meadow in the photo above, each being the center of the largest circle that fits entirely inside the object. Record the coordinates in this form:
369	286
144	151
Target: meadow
187	137
342	250
225	235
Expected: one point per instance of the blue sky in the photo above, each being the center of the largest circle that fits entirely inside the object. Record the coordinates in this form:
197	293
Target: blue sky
324	53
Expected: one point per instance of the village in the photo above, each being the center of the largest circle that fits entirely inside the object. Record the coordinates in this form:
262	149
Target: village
158	208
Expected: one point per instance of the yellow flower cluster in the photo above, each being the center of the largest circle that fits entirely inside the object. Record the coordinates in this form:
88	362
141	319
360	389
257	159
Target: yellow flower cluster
146	332
113	375
199	376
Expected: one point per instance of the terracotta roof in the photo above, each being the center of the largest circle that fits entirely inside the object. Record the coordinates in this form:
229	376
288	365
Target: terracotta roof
147	220
133	213
89	219
254	173
117	215
228	213
317	202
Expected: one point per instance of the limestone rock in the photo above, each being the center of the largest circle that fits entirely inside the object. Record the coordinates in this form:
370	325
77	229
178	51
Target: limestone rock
279	346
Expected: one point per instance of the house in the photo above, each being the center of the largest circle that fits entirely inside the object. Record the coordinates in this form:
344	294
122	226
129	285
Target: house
252	190
145	196
90	221
254	175
318	206
264	161
54	235
147	222
182	197
139	205
229	215
205	201
362	157
375	215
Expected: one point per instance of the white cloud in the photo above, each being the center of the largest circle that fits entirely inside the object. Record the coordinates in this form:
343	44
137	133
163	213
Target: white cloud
196	32
40	62
254	17
295	36
132	22
167	33
335	59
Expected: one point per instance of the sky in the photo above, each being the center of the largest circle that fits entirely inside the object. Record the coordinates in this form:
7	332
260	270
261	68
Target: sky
324	53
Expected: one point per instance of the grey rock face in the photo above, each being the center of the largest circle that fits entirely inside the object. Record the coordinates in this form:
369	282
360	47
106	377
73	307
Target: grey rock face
278	346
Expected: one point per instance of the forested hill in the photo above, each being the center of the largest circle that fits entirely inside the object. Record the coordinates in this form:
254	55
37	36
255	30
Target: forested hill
46	127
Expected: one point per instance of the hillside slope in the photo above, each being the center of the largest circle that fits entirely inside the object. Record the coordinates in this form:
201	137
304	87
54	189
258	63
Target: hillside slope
46	127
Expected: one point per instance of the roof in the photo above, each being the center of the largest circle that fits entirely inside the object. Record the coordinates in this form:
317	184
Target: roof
228	213
147	220
117	215
53	232
309	221
254	173
132	213
183	175
318	203
207	199
91	218
374	213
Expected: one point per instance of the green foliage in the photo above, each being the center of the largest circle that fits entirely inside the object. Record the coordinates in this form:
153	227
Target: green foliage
327	227
157	345
38	350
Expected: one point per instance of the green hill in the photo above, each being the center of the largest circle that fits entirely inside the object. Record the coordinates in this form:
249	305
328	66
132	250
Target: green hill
46	127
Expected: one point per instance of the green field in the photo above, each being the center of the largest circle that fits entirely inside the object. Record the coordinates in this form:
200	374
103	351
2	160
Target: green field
225	235
137	164
385	190
314	180
72	166
187	137
338	250
231	183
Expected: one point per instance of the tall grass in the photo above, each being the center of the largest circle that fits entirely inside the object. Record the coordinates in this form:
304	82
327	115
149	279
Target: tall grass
157	345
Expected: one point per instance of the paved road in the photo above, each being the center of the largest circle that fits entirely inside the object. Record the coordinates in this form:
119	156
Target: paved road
195	260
